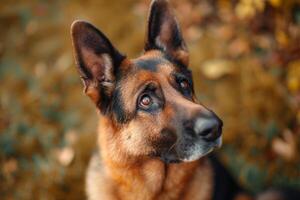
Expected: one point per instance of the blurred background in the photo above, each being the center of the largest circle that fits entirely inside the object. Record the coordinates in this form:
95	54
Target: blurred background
245	56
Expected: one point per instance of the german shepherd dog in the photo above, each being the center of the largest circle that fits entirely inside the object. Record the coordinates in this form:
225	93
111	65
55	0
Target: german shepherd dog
153	133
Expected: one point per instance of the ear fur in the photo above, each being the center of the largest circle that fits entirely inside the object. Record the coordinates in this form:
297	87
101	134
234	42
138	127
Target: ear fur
97	62
164	33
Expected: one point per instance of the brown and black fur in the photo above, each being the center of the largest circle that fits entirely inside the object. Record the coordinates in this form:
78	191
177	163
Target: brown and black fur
148	150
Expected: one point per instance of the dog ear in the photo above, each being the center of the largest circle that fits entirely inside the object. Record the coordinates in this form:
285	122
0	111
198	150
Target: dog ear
97	62
164	32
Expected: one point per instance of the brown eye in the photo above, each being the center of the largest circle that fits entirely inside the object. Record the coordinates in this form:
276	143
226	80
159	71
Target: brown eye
145	101
184	84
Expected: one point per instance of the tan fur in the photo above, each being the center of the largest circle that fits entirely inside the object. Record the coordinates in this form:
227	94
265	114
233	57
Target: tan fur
138	141
122	170
112	175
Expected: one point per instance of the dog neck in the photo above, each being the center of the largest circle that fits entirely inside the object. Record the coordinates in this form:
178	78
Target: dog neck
142	177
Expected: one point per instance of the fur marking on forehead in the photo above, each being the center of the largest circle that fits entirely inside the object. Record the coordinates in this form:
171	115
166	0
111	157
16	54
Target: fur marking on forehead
150	64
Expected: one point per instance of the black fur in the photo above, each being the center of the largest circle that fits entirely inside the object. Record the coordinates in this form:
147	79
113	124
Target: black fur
118	107
87	36
149	64
225	187
162	16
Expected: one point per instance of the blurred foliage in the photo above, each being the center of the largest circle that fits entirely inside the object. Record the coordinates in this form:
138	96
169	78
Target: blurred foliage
245	56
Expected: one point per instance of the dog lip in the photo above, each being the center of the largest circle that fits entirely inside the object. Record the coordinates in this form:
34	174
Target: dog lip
194	158
214	145
170	157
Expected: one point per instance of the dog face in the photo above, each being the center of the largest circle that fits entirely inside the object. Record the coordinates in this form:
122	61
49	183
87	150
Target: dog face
149	99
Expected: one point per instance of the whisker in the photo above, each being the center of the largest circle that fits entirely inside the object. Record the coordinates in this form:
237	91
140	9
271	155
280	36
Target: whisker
173	145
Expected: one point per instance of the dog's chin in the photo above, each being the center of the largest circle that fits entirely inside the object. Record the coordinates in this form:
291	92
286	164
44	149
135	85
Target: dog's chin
188	152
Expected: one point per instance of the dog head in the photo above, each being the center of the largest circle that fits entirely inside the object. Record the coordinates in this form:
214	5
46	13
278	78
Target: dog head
150	99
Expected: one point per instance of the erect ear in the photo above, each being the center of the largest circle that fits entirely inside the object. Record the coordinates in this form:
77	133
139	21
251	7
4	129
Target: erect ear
164	32
97	62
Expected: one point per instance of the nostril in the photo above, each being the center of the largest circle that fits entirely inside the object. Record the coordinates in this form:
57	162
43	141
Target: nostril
208	128
208	131
190	132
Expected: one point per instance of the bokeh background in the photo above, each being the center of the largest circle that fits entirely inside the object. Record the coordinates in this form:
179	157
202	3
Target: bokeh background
245	56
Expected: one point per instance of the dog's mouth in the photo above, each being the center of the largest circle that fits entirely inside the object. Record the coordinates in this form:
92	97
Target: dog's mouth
188	151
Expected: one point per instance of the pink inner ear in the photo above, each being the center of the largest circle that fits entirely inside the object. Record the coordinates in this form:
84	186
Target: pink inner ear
165	38
166	33
94	63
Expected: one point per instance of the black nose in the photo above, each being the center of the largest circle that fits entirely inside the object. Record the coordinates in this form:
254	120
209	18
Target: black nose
208	128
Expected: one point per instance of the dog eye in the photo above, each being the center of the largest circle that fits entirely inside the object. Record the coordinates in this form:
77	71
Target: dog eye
145	101
184	84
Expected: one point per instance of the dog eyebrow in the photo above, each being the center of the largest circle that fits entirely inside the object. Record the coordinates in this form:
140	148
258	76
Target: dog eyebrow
147	85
